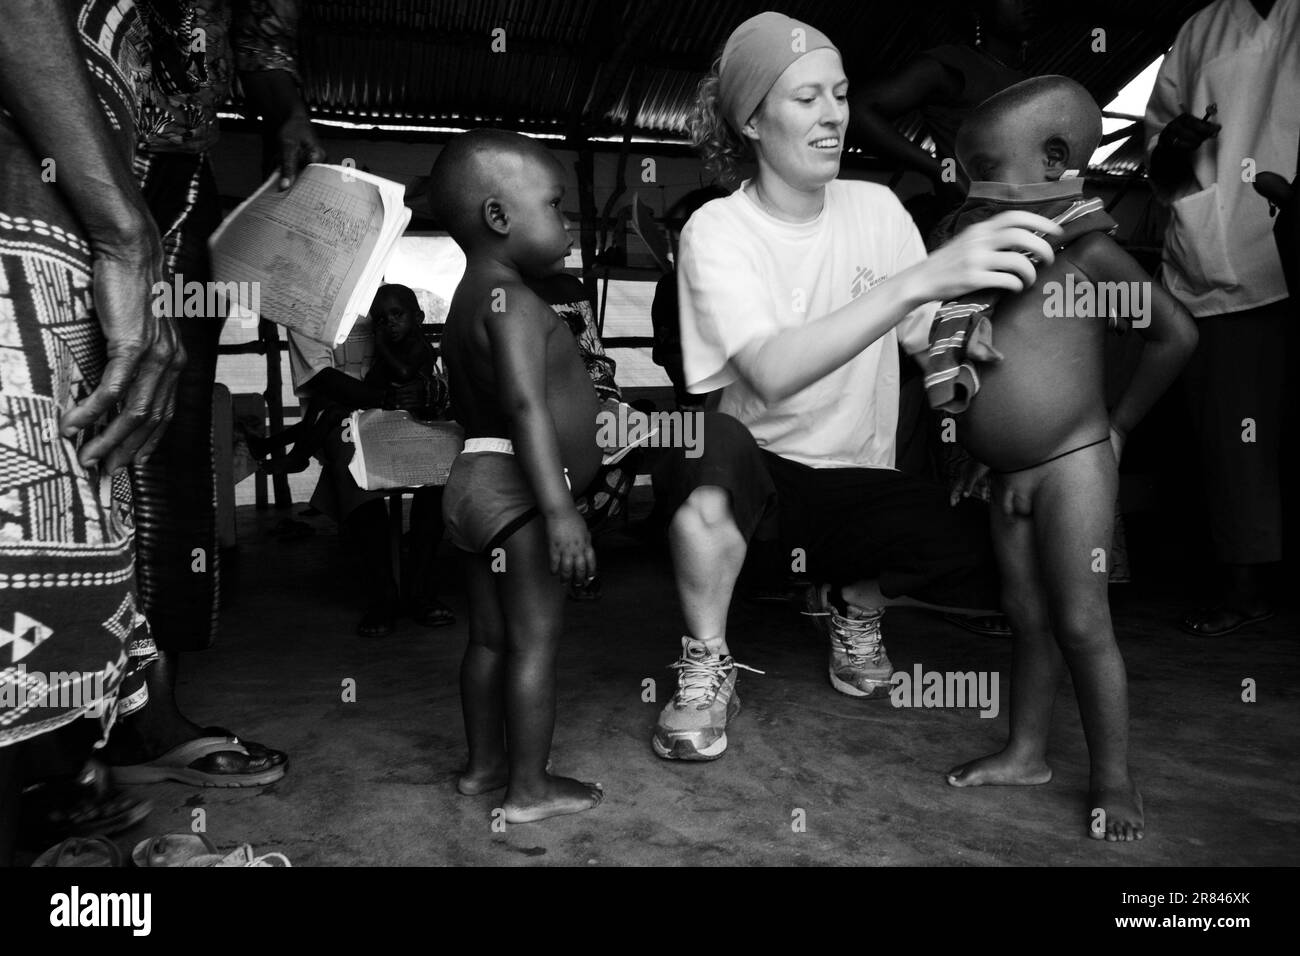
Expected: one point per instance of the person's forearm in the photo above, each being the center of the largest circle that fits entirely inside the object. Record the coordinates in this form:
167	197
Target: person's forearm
793	359
44	84
1157	369
273	95
538	451
873	131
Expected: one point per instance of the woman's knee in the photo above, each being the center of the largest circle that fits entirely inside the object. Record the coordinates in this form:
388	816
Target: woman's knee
707	507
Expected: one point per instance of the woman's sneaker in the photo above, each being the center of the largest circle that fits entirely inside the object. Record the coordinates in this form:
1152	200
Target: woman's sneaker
858	663
693	725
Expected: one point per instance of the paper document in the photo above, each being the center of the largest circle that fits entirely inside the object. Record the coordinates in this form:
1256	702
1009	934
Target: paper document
316	253
395	450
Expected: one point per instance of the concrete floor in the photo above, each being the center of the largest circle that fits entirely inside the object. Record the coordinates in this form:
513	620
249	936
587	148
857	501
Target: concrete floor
370	782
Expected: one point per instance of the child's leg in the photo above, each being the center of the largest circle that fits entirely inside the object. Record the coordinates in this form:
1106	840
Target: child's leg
1036	664
532	600
1075	516
482	682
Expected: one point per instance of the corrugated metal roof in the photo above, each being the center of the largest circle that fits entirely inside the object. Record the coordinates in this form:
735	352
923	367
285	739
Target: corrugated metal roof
433	62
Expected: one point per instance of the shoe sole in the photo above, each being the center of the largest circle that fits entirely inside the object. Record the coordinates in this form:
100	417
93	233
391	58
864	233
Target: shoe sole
684	750
878	692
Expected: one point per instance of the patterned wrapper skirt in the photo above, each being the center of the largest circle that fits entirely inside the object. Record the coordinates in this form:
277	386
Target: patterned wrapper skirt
70	633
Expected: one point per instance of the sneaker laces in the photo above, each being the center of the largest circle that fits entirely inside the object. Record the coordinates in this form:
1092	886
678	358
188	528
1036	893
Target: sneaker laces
859	636
699	680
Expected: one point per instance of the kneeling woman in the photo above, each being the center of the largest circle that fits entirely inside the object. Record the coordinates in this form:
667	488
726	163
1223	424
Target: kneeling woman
795	291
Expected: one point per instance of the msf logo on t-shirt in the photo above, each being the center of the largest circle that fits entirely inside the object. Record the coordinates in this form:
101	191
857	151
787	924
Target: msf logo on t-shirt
863	280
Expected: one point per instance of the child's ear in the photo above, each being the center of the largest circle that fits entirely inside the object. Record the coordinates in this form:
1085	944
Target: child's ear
494	216
1056	157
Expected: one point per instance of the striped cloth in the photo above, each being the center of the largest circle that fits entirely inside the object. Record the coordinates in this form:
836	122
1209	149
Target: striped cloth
962	332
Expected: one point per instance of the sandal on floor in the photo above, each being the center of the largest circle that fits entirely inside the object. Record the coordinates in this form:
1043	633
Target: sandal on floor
1198	622
255	750
171	849
430	612
178	764
240	856
80	806
987	625
378	621
95	851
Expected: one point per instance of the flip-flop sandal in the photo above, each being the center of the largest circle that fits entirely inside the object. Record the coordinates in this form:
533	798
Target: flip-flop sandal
987	625
97	851
1192	626
255	750
81	806
176	764
171	849
240	856
432	613
376	625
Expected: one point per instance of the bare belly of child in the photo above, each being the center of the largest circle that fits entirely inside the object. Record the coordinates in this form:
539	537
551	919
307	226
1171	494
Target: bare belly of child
1046	397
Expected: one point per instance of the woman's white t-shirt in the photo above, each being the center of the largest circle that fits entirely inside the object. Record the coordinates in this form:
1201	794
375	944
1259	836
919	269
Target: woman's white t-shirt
744	275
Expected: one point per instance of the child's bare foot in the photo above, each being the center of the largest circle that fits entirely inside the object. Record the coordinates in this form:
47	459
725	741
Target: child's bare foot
1120	819
556	797
1001	769
475	780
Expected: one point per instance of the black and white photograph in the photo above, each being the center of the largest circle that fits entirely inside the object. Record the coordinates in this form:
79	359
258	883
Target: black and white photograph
650	434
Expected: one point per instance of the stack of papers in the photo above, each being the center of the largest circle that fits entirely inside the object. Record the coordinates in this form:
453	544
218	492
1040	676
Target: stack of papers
395	450
316	253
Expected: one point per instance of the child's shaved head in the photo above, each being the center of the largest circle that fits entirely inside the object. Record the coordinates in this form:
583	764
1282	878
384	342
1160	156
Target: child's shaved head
477	166
1031	132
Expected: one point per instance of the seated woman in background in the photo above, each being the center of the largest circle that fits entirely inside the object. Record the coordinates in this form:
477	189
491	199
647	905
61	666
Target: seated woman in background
402	375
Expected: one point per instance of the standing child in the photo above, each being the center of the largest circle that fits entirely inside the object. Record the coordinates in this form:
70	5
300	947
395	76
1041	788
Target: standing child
521	392
1039	421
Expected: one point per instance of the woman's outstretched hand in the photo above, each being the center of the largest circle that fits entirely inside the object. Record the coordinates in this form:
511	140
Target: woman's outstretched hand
993	254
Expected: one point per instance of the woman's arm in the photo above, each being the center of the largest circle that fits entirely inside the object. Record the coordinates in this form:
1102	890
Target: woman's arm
874	107
45	86
264	36
988	255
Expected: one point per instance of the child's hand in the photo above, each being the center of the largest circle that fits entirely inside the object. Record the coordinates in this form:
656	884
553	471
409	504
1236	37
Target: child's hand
572	556
969	476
